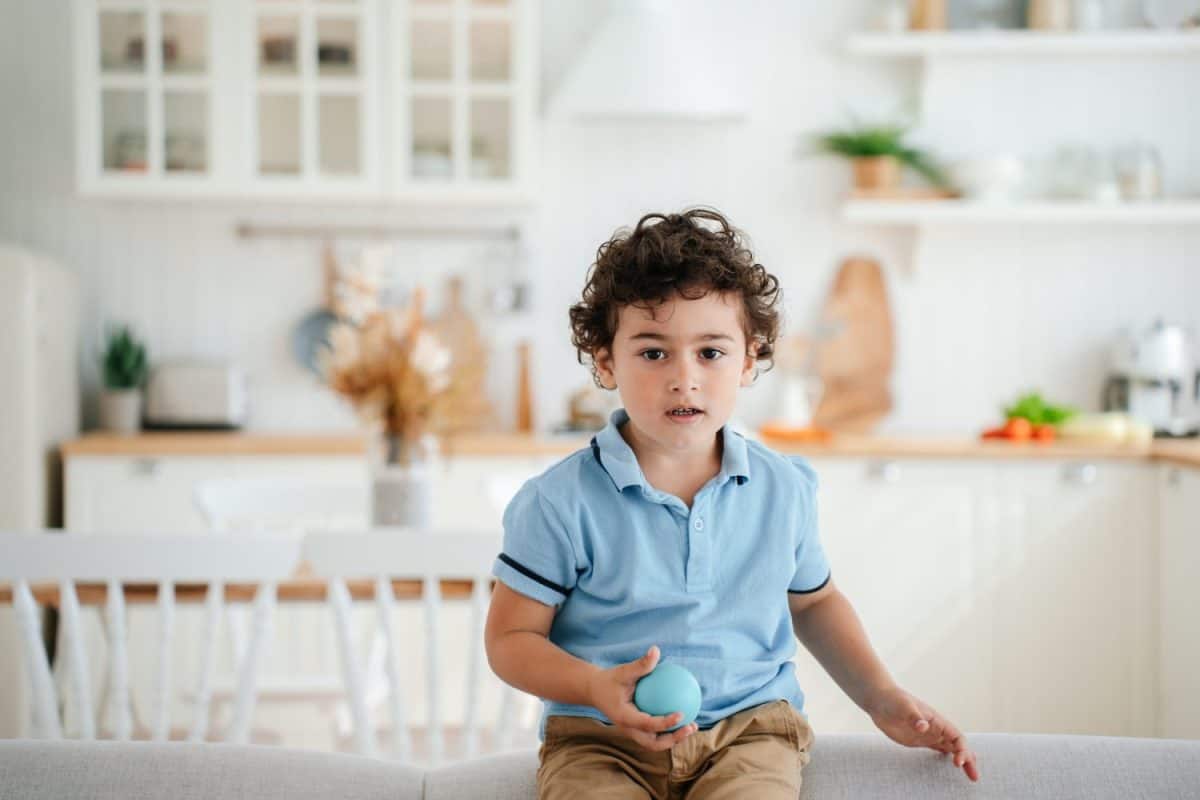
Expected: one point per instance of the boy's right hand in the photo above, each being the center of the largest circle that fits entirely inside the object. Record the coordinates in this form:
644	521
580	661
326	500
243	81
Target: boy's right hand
611	692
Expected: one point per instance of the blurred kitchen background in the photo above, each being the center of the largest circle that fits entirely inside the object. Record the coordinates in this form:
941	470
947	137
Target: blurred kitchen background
1034	254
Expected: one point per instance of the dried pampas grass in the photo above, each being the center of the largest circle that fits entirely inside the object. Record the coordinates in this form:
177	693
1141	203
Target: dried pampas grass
400	377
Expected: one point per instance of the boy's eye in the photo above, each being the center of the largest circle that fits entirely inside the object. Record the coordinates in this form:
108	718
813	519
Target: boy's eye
653	355
711	354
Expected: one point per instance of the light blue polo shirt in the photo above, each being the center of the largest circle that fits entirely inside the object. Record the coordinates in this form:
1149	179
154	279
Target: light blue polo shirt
629	566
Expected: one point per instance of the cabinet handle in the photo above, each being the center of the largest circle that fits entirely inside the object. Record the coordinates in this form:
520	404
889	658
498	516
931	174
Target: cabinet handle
145	467
1080	474
886	471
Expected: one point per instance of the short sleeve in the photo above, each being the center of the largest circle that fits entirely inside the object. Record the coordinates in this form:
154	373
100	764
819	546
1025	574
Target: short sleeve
538	559
812	567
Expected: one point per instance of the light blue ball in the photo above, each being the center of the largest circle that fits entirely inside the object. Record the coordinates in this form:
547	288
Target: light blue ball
669	688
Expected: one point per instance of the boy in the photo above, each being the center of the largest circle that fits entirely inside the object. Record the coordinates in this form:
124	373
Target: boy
672	536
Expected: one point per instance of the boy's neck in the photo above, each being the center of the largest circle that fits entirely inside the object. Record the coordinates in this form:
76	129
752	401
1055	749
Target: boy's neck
681	473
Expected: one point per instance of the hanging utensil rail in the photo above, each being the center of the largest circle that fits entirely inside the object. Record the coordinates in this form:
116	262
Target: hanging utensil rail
248	230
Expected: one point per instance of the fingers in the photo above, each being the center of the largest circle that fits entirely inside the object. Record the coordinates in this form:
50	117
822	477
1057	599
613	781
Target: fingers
661	741
956	745
641	721
642	666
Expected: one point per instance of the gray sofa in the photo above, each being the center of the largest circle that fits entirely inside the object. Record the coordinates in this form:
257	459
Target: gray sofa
843	766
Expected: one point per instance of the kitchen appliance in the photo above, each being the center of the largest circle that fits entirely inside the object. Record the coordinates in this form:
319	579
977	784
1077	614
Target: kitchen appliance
194	395
39	410
1156	378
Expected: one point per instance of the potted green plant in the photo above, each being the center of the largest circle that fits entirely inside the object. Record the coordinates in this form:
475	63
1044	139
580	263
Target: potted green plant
123	371
879	153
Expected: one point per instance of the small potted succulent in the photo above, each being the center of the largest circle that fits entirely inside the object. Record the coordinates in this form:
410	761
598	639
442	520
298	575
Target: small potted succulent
879	153
123	371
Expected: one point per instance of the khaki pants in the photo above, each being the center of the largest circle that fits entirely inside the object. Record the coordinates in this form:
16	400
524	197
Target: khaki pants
756	753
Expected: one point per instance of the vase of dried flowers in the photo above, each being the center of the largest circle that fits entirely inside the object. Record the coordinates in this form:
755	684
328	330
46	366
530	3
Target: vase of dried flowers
402	480
403	381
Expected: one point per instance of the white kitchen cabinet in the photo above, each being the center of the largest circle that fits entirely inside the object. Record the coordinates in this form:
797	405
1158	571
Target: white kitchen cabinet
362	99
1179	630
146	115
907	542
314	93
135	493
1073	583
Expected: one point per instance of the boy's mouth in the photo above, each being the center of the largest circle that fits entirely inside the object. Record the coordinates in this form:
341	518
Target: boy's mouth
684	412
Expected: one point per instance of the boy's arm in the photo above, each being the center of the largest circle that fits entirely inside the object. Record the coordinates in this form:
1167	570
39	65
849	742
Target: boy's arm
826	624
521	654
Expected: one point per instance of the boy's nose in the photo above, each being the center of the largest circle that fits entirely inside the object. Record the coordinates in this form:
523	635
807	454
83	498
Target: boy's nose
683	380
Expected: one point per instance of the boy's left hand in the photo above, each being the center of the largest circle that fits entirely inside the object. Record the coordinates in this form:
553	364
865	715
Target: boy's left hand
913	723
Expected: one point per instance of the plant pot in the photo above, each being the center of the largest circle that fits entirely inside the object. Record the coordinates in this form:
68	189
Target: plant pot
402	481
876	172
121	410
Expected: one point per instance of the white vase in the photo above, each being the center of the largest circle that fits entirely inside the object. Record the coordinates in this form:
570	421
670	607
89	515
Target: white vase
121	410
402	481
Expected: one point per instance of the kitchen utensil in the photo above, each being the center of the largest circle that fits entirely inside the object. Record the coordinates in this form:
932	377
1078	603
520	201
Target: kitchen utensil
524	388
457	330
1156	378
928	15
311	333
1139	171
855	363
990	179
1049	15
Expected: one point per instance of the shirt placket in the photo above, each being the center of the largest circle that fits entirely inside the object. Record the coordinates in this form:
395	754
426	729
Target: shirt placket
698	571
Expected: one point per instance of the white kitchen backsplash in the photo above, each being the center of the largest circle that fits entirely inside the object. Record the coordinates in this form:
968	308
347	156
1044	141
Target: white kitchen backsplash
990	310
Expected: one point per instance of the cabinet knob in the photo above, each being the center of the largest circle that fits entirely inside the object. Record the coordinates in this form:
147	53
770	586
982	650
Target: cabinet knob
886	471
145	467
1081	474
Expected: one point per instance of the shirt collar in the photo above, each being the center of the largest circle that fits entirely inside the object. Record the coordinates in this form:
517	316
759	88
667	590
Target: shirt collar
617	458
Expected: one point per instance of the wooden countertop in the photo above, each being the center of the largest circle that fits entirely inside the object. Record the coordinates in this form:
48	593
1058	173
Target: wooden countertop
1182	452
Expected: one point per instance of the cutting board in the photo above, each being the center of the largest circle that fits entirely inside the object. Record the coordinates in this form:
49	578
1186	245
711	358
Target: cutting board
854	360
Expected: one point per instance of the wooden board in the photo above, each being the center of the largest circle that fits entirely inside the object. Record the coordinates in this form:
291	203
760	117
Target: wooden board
855	360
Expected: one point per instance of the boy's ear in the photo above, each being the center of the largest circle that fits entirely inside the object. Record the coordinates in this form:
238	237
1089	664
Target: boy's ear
750	366
602	359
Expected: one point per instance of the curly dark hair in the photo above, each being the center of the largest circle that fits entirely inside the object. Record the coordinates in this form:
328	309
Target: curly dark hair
669	254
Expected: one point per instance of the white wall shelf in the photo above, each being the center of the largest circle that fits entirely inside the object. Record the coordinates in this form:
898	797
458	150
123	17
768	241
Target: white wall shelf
1174	212
1024	43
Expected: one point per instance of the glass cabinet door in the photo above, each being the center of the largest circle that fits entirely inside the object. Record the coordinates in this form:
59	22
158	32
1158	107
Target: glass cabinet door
310	99
462	86
154	109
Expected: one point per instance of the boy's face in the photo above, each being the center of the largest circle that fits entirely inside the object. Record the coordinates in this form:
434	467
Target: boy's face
678	367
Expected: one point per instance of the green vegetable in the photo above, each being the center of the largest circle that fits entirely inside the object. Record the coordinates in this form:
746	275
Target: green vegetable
1034	408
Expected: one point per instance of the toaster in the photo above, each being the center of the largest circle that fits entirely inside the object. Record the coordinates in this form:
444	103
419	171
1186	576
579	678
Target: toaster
195	395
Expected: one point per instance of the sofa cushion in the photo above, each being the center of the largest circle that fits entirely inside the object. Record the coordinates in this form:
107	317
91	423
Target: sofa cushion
32	769
869	765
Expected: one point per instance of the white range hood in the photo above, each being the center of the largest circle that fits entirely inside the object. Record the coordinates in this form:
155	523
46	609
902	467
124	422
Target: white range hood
653	58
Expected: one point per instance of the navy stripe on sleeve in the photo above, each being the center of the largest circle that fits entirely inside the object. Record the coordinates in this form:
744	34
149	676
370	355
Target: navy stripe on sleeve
528	573
804	591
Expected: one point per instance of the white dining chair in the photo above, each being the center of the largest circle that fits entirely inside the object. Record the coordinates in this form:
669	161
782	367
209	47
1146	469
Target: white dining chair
163	560
307	674
384	555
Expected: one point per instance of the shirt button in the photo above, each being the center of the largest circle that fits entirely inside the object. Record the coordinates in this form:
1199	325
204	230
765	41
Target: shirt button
698	524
